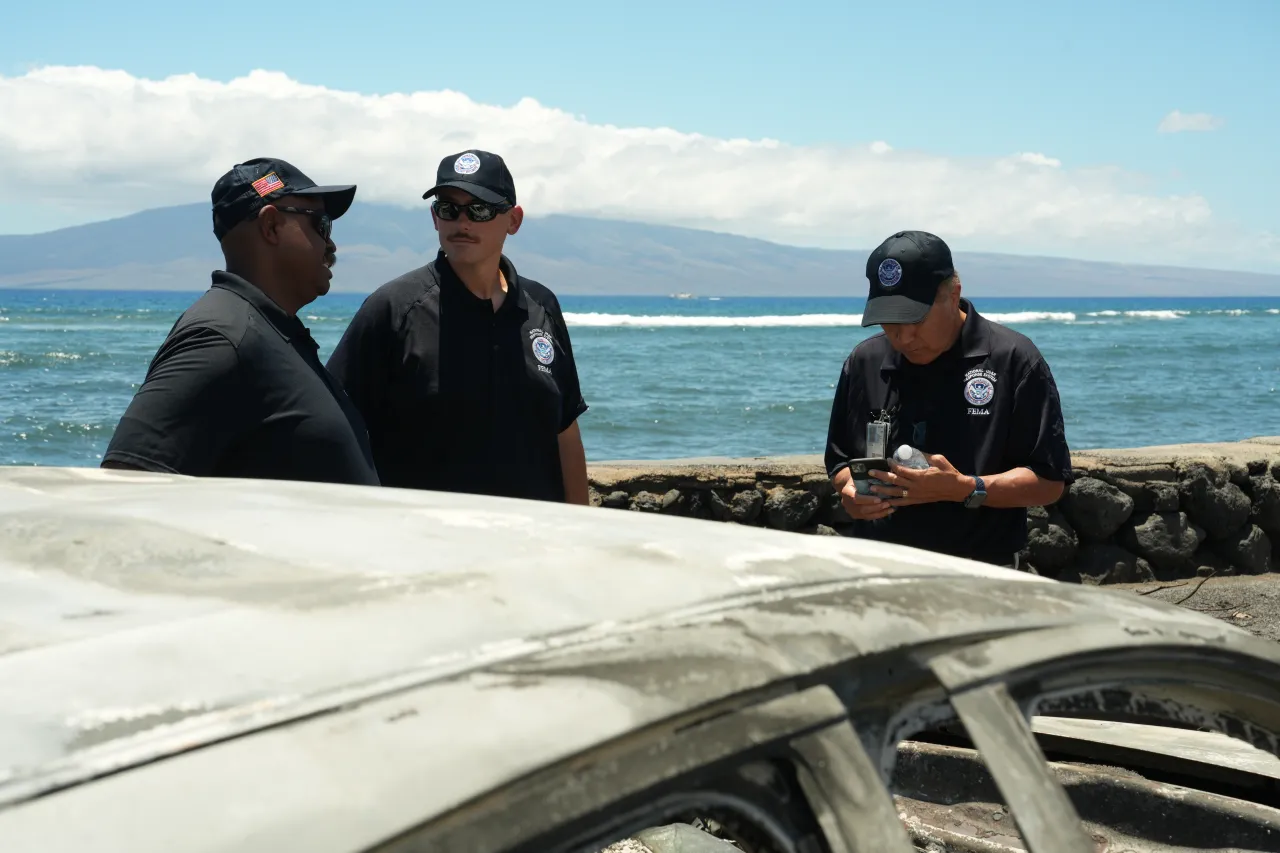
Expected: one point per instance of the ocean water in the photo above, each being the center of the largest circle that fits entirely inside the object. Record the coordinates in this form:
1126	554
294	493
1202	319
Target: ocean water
672	378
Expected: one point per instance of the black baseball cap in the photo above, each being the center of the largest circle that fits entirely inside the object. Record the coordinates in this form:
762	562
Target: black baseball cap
904	272
252	185
480	173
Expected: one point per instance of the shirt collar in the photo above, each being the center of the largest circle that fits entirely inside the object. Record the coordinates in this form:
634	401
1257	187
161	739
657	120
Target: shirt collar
974	340
975	337
515	291
288	327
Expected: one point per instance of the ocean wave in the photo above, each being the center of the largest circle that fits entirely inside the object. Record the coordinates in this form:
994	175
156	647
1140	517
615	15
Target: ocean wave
1033	317
668	320
773	320
1146	315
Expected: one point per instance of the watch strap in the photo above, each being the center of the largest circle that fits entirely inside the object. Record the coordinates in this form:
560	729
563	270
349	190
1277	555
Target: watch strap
978	495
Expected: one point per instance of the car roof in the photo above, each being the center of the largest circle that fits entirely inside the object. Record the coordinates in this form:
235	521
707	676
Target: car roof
143	614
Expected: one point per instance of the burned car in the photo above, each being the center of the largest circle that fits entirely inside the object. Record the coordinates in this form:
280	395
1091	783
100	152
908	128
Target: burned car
220	665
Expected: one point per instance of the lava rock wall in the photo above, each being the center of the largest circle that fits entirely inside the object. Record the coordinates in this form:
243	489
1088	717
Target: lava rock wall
1130	516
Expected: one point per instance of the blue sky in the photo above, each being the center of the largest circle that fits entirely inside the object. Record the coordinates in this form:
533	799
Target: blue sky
1085	83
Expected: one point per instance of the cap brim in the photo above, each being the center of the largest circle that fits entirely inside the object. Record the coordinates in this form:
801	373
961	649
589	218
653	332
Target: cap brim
894	309
476	190
337	198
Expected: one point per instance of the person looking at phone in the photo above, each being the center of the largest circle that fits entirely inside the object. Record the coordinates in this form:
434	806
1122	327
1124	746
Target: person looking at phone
975	397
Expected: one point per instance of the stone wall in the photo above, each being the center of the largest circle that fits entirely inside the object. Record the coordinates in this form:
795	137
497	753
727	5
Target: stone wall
1140	514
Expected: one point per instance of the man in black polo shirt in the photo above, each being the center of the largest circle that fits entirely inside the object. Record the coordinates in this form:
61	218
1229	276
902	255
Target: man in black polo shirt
975	397
463	368
237	389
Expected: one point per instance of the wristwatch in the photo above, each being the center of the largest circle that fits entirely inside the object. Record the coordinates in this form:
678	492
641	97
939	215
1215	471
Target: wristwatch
977	496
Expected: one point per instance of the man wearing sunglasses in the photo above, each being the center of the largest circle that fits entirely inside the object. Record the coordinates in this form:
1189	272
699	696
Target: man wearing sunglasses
237	388
463	368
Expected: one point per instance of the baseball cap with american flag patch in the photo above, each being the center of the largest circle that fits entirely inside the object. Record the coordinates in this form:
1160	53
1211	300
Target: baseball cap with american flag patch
250	186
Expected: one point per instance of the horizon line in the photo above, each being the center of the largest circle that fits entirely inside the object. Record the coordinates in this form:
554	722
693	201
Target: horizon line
48	289
698	230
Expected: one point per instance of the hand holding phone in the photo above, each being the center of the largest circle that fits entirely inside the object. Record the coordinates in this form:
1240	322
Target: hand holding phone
860	470
857	498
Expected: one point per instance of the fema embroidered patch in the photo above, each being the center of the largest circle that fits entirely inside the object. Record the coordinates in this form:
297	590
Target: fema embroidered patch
543	351
890	273
467	164
979	391
979	386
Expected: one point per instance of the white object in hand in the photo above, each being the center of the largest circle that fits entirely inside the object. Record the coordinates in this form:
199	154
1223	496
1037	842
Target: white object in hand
909	457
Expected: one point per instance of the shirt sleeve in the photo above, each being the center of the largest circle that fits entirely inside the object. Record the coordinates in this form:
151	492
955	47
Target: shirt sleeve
1038	436
190	408
846	428
572	404
362	360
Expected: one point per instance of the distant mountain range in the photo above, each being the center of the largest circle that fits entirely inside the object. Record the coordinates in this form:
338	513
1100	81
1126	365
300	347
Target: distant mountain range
173	248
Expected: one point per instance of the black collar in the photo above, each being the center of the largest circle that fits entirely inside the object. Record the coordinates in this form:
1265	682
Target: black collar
974	340
286	326
975	336
515	290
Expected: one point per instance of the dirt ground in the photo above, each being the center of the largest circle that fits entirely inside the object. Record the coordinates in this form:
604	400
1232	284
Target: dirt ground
1249	601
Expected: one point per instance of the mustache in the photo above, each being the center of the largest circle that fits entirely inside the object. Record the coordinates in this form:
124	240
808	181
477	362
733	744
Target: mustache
330	259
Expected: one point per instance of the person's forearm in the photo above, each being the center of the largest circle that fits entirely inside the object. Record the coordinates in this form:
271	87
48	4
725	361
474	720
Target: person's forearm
573	466
1019	487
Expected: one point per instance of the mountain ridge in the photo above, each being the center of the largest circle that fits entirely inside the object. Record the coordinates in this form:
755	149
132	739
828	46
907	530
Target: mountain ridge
173	248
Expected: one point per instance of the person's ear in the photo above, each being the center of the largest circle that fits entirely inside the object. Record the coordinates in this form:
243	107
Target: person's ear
517	217
270	222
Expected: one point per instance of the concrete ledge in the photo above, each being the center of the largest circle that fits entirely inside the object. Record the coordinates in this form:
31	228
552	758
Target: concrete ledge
1166	455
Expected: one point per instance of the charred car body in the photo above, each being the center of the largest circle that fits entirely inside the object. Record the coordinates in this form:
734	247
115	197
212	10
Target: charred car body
212	665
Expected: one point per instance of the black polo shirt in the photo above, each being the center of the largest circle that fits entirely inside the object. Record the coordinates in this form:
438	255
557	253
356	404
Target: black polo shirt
988	405
460	397
237	390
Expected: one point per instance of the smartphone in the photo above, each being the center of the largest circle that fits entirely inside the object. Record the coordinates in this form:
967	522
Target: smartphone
861	470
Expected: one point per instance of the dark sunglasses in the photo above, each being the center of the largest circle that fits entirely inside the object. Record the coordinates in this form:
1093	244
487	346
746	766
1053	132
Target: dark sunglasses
319	219
477	211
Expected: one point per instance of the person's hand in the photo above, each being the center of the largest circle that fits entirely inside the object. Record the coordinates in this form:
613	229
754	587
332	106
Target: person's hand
863	507
902	486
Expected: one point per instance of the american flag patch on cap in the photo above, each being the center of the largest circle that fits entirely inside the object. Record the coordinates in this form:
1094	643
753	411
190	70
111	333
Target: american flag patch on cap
268	184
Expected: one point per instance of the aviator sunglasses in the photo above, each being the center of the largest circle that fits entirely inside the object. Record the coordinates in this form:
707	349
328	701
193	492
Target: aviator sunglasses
319	219
477	211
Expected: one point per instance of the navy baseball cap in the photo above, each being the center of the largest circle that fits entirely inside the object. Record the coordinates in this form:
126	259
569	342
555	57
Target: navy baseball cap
480	173
904	272
252	185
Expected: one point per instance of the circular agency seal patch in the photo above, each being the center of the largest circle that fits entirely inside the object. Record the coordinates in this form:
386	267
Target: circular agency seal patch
979	390
890	272
467	164
543	351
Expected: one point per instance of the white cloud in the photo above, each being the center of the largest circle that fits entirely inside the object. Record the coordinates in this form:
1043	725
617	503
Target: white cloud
100	139
1179	122
1040	160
